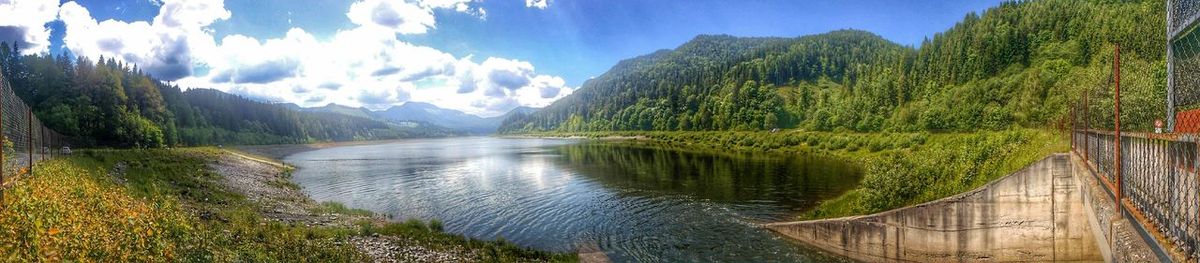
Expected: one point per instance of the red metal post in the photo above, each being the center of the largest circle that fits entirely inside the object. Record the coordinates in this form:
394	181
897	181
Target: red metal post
1117	122
1087	126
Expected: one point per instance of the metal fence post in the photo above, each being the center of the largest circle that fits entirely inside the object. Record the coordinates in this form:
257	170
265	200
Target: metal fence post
1087	126
1170	79
29	139
1117	123
2	139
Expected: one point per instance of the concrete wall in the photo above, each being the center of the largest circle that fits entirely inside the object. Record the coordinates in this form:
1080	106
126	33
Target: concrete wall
1035	214
1116	235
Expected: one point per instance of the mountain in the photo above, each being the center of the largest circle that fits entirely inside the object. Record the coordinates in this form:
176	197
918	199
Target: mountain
711	82
1018	64
518	111
111	104
344	110
428	113
412	113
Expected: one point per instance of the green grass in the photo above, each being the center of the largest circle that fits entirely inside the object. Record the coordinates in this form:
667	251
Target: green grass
328	207
900	168
171	208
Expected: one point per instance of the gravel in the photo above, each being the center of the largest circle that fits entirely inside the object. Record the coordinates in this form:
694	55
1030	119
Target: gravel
267	185
396	249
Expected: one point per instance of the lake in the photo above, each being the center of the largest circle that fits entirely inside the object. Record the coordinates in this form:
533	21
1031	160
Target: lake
634	202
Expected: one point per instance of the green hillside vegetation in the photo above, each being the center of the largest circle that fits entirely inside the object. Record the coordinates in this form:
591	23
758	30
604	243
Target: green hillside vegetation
974	103
111	104
1017	65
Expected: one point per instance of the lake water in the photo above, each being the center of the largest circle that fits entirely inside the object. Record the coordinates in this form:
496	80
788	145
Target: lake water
635	203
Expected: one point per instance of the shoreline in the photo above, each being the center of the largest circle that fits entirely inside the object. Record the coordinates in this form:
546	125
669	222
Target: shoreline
266	181
277	152
205	204
574	137
298	207
868	150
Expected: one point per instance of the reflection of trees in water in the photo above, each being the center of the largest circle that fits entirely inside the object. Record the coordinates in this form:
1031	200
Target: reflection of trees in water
797	181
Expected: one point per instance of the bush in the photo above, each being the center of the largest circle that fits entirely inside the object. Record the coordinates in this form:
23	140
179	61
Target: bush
435	225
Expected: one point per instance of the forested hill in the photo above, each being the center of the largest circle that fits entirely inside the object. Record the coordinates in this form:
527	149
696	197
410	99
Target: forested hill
107	103
1017	64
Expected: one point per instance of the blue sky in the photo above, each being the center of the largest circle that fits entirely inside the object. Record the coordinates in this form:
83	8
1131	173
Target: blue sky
479	56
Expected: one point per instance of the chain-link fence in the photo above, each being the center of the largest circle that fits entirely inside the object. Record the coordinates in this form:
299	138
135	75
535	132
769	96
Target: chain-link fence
24	141
1183	62
1154	173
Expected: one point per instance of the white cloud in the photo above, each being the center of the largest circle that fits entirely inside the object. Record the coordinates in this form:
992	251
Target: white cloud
539	4
167	48
242	59
407	17
507	73
362	66
461	6
399	16
24	22
366	67
190	14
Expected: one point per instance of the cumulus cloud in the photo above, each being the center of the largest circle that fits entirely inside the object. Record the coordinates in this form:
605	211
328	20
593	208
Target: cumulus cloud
381	98
366	65
408	17
330	85
190	14
539	4
24	23
242	59
165	48
300	89
549	87
509	74
385	71
398	16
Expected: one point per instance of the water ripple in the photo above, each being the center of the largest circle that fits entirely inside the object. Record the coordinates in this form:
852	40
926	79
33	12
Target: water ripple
635	204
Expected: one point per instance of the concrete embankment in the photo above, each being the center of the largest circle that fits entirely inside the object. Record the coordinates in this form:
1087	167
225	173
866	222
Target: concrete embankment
1036	214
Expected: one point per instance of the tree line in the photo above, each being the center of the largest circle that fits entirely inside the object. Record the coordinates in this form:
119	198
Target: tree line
108	103
1020	64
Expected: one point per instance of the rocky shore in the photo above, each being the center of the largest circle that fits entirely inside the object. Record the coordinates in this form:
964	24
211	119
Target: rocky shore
266	183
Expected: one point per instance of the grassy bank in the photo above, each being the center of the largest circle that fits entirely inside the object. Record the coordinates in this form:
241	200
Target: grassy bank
900	168
168	205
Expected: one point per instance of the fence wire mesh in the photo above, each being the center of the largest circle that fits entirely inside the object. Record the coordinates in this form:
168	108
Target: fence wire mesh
1182	13
1183	63
1152	171
24	141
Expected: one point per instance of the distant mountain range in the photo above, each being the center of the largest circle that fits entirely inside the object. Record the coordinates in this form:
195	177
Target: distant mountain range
420	112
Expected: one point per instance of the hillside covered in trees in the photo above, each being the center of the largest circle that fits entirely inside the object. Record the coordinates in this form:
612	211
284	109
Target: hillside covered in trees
1017	65
107	103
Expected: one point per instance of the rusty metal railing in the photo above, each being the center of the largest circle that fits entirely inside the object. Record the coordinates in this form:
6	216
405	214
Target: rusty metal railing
1159	181
1154	176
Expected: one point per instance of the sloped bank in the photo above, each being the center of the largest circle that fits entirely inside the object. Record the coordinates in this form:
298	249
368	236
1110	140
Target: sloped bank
207	205
1035	214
